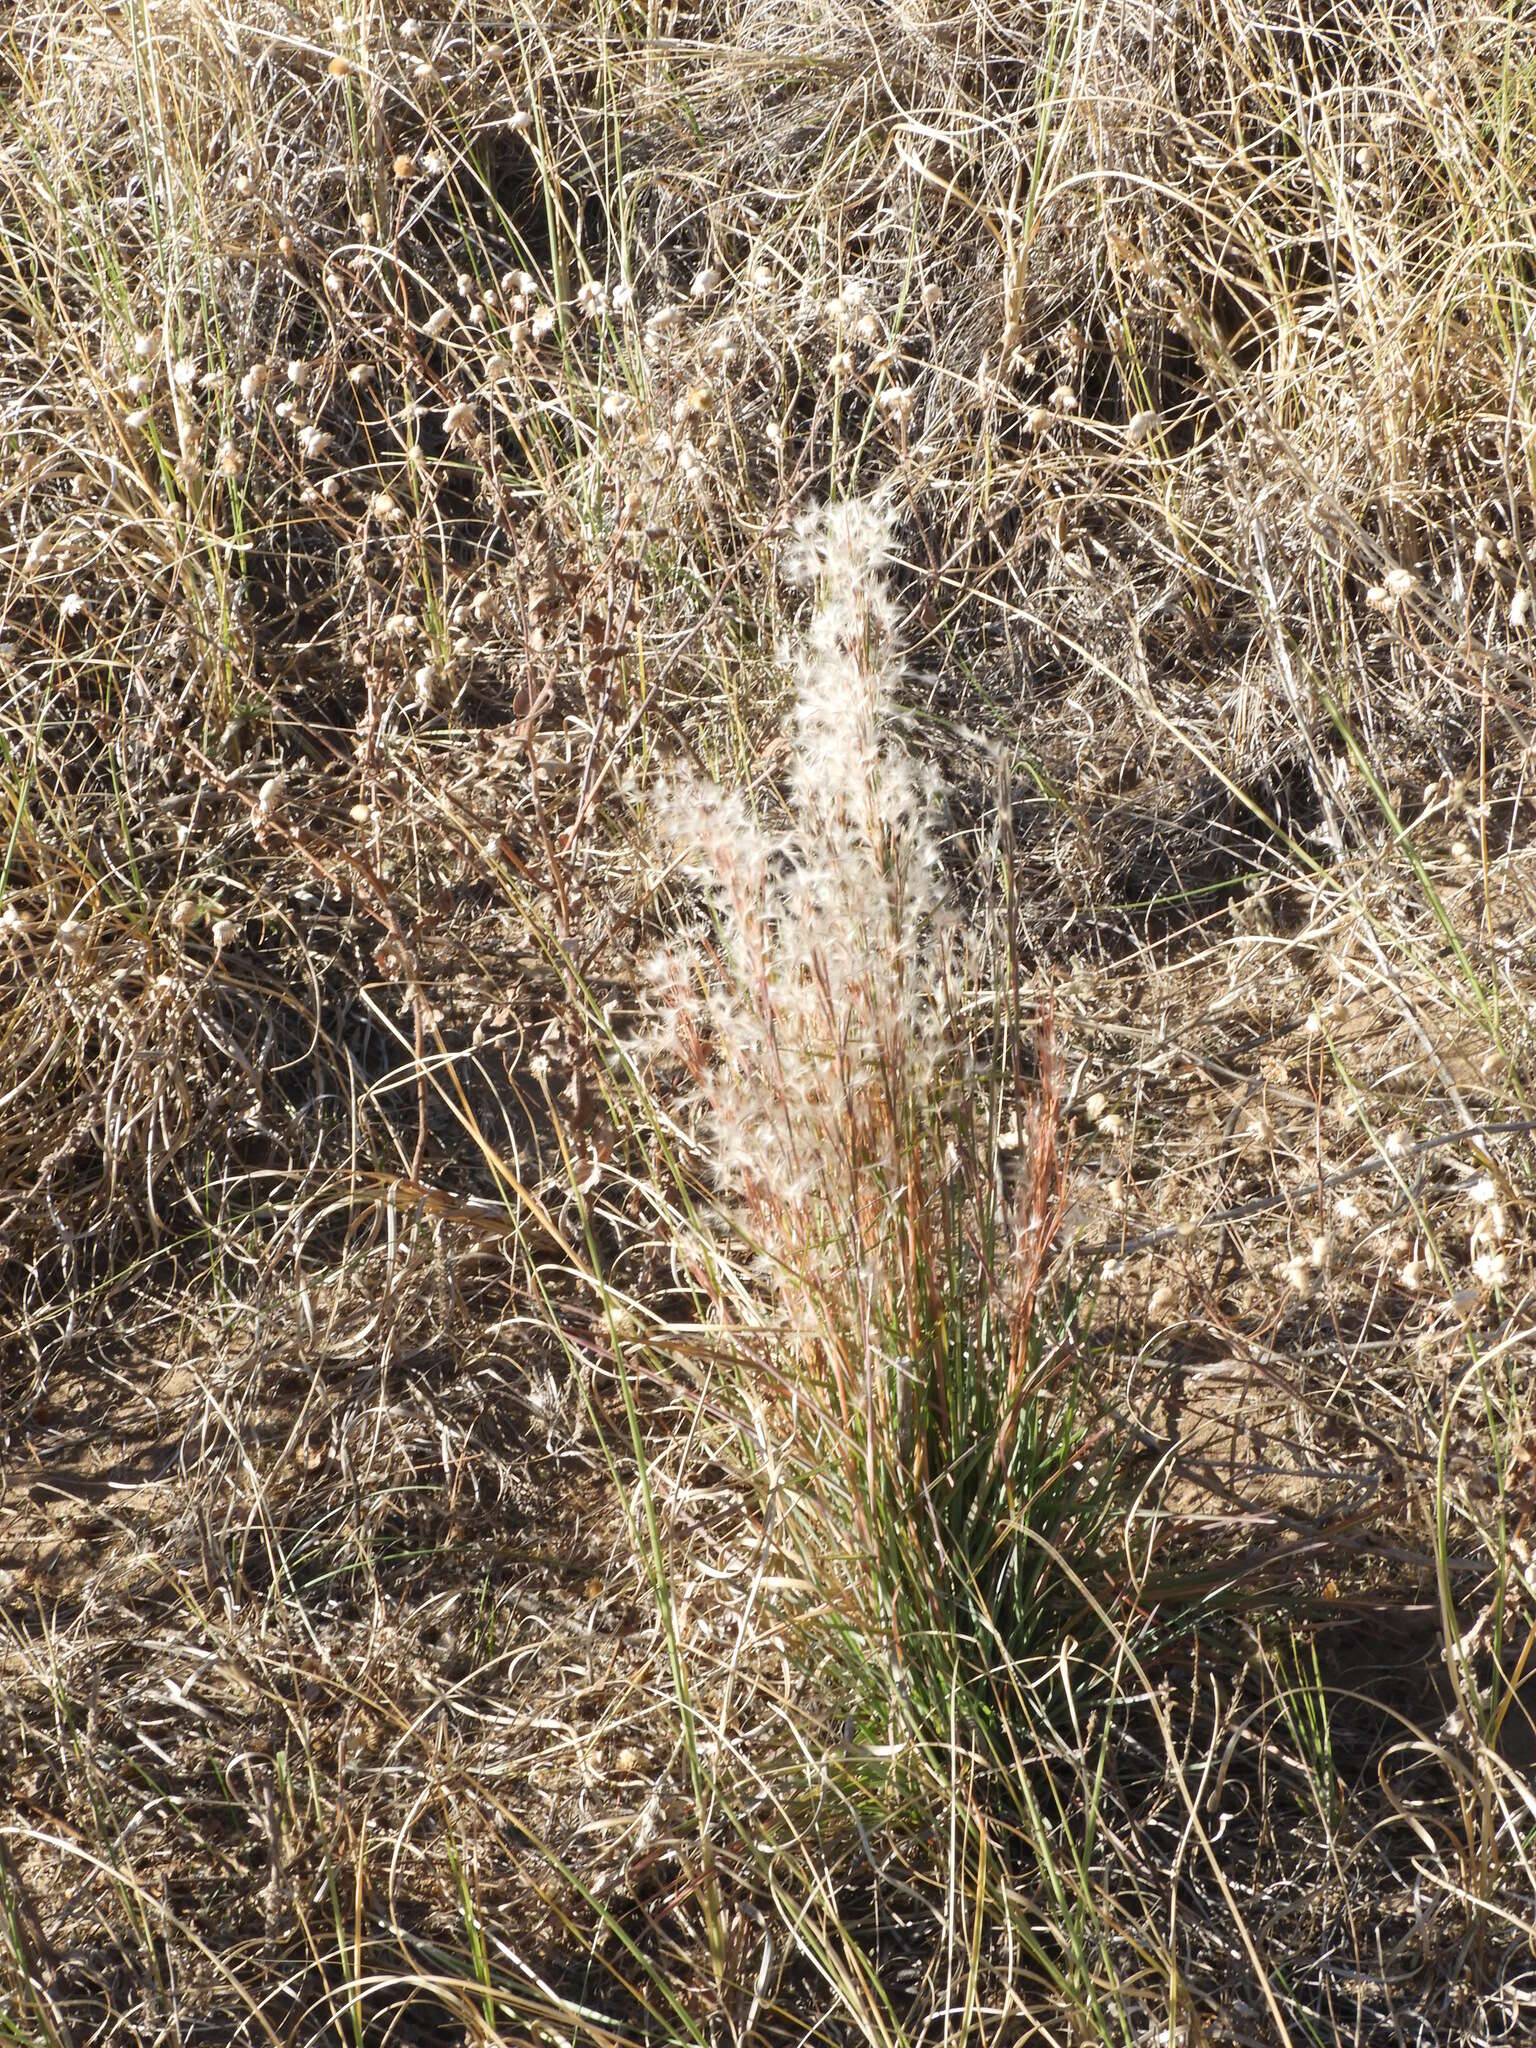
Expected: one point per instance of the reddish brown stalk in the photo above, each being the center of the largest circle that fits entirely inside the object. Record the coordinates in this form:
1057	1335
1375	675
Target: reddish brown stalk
1045	1204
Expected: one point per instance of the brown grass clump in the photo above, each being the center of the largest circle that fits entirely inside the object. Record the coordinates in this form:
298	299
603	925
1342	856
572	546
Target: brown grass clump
744	1313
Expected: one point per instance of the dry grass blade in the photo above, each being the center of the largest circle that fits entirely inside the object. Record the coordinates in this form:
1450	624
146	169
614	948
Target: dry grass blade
765	1022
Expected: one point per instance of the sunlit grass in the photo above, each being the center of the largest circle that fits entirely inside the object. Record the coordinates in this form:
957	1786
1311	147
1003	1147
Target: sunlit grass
764	1065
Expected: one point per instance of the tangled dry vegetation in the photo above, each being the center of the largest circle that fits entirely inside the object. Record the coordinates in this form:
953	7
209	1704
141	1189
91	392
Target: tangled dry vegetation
749	1303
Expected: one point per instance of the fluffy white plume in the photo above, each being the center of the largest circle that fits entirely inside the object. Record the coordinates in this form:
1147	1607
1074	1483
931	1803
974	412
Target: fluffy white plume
814	1020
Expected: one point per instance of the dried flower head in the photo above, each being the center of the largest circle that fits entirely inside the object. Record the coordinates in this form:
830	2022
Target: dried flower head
837	930
1140	427
1491	1268
1299	1275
